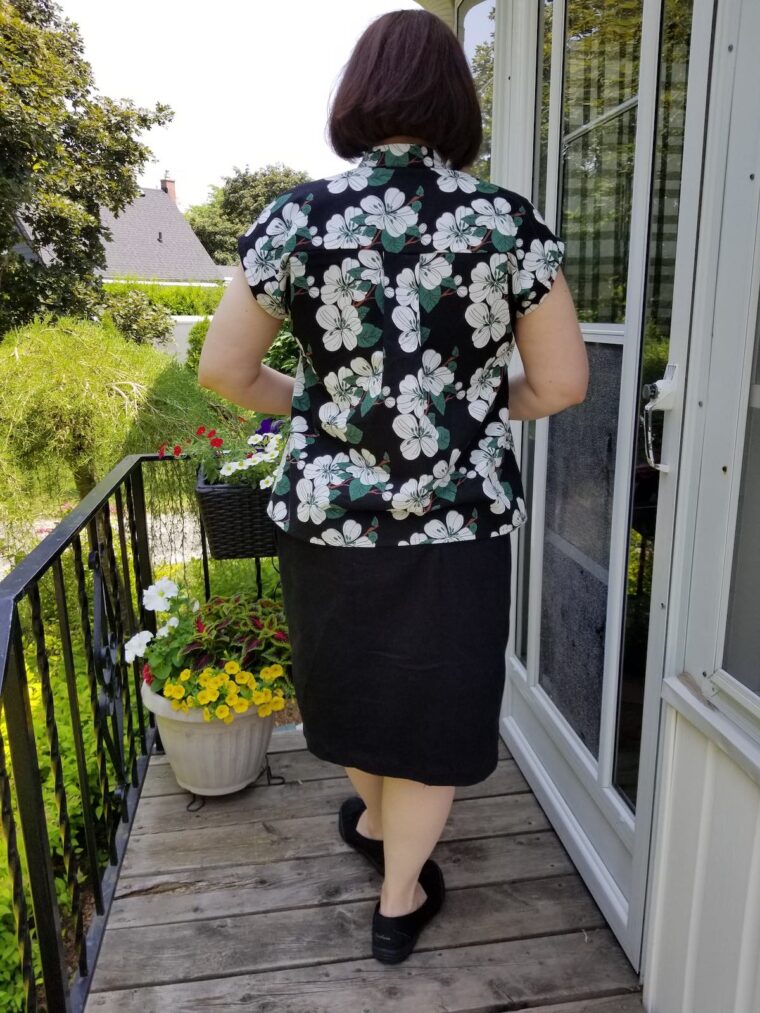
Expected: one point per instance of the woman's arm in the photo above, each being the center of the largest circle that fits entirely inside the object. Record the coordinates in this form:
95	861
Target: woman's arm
238	338
553	355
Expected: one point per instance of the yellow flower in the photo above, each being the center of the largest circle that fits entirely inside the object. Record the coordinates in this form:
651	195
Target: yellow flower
264	710
257	696
176	705
241	678
222	710
179	692
229	718
213	694
266	694
267	674
232	668
190	701
207	672
203	697
277	704
240	706
185	674
277	669
206	714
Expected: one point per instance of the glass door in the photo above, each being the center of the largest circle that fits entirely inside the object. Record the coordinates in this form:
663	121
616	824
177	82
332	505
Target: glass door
609	140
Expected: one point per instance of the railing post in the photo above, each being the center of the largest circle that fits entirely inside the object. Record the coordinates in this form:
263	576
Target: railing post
26	776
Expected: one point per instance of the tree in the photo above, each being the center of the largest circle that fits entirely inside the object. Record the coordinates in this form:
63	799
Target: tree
482	74
234	205
65	150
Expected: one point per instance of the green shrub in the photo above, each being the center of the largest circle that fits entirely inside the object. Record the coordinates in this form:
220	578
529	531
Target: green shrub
195	338
181	300
136	317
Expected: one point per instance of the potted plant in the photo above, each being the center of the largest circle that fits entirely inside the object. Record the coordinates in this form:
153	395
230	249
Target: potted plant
234	475
214	675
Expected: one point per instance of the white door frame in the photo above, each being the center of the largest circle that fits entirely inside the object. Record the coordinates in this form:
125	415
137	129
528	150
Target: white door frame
608	846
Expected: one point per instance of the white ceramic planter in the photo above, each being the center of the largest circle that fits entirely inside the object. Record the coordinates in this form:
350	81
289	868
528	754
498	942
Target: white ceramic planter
211	757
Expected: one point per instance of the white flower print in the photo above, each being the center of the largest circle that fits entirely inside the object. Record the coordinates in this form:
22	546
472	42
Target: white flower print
433	376
314	499
450	180
334	421
481	392
408	288
418	435
344	232
373	267
364	466
299	380
355	178
412	396
342	389
432	269
496	216
454	233
452	531
342	326
489	321
350	535
493	488
485	458
490	282
369	375
340	287
297	436
326	469
282	228
408	323
277	511
414	497
542	260
444	471
258	263
391	214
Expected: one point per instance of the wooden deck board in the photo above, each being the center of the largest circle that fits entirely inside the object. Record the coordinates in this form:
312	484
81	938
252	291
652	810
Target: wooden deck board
255	902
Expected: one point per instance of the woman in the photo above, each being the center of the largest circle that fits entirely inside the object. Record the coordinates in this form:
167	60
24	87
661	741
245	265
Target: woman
407	281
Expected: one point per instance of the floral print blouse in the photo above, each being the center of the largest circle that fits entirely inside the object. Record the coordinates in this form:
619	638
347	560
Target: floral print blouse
402	279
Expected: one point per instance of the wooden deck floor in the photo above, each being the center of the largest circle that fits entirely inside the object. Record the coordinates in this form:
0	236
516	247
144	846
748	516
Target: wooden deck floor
255	903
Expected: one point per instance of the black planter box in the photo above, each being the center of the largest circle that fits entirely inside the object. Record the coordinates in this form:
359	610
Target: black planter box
235	520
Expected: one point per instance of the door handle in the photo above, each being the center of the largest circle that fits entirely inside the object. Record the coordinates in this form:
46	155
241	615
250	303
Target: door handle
660	396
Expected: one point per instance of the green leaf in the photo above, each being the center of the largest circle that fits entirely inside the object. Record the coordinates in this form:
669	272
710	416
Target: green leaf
429	297
443	437
440	402
379	176
356	489
394	244
334	511
448	492
369	336
353	433
501	242
485	187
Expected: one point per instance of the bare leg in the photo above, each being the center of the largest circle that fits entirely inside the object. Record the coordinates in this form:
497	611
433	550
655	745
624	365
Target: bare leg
413	815
370	788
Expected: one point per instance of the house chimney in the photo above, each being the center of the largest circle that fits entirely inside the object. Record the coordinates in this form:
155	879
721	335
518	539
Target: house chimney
167	185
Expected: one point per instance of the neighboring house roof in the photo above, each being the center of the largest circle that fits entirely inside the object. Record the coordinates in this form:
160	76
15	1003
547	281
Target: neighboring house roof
225	271
153	239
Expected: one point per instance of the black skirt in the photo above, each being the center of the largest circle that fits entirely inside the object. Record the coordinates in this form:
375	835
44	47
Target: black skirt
399	653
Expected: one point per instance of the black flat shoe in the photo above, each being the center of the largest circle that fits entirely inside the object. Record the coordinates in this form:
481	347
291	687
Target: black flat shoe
393	939
348	817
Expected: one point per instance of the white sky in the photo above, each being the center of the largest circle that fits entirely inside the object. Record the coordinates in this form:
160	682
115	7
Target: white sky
249	82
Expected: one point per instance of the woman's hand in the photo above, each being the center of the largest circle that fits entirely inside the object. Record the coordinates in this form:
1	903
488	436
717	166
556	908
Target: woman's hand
554	358
239	336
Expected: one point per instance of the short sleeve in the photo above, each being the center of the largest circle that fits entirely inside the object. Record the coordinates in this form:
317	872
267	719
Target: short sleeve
535	260
264	251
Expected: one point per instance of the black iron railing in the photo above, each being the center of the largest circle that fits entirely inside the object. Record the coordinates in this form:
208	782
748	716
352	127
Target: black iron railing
89	701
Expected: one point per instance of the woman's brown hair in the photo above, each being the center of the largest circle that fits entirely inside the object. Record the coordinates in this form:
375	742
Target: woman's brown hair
407	75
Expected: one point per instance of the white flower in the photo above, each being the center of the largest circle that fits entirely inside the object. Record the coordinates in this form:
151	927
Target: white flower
452	531
342	326
345	232
453	232
412	397
450	180
373	266
156	597
135	646
281	229
340	287
490	282
256	438
314	499
171	622
351	535
264	483
489	321
408	322
366	468
408	288
418	435
433	269
433	376
334	421
355	178
413	497
542	260
369	375
326	469
228	468
196	605
259	263
342	389
392	214
496	216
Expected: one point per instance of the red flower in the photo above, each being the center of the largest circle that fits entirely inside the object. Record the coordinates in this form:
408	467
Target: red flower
217	441
147	674
210	433
199	625
161	450
177	450
200	430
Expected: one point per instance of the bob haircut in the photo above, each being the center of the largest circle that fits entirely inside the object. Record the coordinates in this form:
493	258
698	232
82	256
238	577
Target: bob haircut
407	76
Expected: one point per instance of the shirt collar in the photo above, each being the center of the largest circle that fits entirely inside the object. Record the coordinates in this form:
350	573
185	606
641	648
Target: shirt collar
403	154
